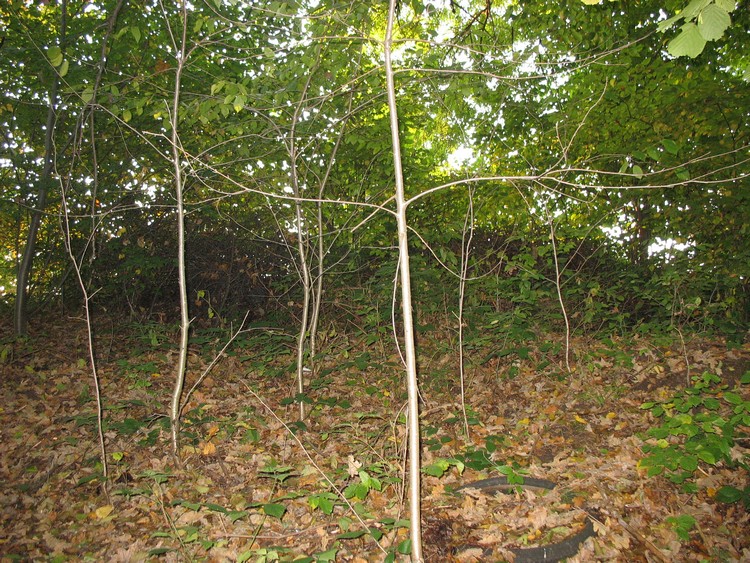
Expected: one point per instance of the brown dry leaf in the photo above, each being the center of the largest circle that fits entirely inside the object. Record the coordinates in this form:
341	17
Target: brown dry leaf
538	517
471	555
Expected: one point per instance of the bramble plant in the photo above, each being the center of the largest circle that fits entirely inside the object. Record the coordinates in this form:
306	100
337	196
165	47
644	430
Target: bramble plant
701	424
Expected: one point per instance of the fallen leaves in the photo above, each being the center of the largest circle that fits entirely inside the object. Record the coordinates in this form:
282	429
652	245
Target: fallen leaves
244	484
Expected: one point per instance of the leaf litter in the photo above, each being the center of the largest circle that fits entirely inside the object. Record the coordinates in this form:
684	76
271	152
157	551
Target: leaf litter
246	491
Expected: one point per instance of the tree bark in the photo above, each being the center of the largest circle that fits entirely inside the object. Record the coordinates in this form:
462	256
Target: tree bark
21	318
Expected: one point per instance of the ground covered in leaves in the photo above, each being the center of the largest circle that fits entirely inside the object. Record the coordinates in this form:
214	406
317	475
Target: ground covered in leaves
255	484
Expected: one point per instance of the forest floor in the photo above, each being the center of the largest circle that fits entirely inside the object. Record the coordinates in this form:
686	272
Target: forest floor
253	484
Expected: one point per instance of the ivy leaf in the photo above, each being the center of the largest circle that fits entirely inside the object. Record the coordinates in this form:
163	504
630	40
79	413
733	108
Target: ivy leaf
689	42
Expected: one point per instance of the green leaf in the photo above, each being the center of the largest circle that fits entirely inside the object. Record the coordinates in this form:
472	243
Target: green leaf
437	469
666	24
638	171
732	398
356	490
369	481
689	42
354	534
728	494
404	547
55	56
726	5
694	9
670	146
274	509
329	555
713	22
682	174
682	525
63	70
136	33
711	403
323	502
239	102
87	95
235	515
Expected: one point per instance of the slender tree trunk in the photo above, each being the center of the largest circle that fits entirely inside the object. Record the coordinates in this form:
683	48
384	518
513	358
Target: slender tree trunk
77	263
179	382
465	255
304	266
21	318
415	498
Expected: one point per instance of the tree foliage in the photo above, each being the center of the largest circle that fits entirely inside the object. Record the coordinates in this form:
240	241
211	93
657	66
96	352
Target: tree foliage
569	118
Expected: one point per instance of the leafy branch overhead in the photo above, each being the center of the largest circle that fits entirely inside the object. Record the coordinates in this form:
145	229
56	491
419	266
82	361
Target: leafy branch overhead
703	21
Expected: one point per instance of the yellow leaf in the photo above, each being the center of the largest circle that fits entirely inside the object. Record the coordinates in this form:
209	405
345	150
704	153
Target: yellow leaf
579	419
208	449
213	431
611	415
103	511
524	421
